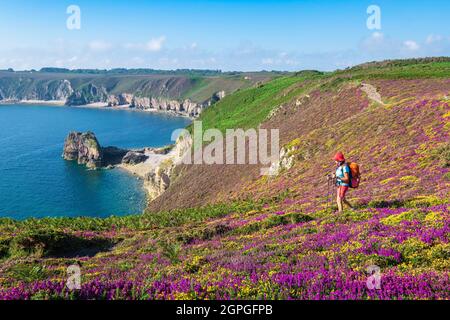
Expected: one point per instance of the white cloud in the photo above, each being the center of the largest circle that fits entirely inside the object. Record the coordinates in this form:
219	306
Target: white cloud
155	44
375	42
99	45
72	59
432	38
285	61
245	56
137	60
378	36
411	45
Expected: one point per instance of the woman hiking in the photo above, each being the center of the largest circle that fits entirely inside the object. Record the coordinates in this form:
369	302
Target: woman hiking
342	177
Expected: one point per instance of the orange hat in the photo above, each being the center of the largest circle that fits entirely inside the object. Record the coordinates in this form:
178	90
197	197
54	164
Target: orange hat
339	157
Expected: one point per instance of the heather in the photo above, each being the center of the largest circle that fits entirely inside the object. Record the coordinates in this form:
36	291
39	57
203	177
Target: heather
262	237
265	251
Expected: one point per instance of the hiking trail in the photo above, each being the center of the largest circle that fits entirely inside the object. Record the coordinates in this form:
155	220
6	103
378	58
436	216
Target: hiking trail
372	93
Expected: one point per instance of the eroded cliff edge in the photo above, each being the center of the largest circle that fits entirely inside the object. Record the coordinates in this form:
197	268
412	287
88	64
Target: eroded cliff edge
153	165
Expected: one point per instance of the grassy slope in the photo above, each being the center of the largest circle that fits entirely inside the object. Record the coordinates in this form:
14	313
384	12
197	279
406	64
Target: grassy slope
282	243
250	107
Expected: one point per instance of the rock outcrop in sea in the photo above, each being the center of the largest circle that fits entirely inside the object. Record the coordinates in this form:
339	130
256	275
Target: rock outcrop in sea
84	148
154	166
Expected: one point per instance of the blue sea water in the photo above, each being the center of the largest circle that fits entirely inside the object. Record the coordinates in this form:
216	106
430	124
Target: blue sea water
36	182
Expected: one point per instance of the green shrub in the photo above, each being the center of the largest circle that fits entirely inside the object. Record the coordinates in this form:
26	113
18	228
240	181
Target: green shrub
289	218
52	243
385	204
170	250
361	261
28	273
4	250
443	155
203	233
395	219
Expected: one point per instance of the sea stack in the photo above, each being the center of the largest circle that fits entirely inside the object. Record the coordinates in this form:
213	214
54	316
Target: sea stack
84	148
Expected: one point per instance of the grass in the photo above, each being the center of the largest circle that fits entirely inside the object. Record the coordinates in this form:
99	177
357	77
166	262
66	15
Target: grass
148	220
248	108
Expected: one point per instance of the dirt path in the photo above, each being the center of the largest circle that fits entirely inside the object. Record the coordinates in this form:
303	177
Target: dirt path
372	93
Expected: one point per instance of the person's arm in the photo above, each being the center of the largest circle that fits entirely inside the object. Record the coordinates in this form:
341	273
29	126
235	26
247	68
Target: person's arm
346	171
346	178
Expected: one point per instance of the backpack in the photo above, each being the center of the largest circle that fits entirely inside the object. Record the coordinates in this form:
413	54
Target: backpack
355	175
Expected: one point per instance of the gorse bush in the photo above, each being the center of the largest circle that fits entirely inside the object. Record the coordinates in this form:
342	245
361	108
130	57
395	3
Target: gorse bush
170	250
29	272
283	219
41	243
443	155
148	220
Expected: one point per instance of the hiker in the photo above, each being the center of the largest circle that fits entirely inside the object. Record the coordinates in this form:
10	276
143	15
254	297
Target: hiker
343	180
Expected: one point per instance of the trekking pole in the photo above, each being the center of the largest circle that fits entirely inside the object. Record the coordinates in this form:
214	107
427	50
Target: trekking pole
328	200
331	195
330	183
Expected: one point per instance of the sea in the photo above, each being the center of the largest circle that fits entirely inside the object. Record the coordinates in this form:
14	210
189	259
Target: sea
36	182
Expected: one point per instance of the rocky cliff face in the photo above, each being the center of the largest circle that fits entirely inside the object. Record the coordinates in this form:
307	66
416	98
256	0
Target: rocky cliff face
120	99
25	89
186	107
161	176
84	148
87	94
163	94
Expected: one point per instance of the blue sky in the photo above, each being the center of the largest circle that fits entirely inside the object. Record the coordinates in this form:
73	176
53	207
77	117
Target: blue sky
218	34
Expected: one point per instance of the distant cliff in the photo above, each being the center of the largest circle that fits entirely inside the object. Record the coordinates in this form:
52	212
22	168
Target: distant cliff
186	94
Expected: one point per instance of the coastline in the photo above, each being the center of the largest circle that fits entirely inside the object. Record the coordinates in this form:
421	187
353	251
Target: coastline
96	105
59	103
144	169
139	171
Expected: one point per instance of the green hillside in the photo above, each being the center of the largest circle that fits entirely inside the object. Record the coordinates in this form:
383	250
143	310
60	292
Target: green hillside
226	232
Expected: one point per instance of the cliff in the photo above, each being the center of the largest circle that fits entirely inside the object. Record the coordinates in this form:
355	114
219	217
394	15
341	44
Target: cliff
86	150
178	93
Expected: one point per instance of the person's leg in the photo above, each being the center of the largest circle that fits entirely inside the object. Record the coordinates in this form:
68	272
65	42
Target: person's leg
339	200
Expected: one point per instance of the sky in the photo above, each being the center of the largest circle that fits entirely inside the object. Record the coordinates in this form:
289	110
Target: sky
229	35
